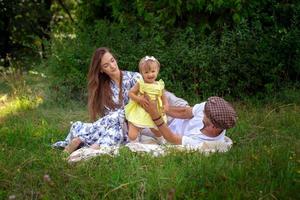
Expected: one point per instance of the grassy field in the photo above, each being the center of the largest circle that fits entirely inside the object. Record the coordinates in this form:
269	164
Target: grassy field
262	164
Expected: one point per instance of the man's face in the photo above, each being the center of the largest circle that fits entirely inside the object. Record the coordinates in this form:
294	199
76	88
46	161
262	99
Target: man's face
207	122
209	127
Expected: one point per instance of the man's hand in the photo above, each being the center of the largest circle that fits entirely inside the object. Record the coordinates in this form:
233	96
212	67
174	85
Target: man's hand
166	109
151	107
143	101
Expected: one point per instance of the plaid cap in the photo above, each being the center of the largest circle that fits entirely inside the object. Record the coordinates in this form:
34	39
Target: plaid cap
220	112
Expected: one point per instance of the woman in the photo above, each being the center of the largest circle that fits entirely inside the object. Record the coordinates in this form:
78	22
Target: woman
108	89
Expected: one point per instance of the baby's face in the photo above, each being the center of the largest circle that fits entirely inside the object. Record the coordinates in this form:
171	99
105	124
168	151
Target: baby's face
150	73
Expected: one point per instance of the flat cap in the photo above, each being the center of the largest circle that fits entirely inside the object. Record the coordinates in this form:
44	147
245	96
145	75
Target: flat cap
220	112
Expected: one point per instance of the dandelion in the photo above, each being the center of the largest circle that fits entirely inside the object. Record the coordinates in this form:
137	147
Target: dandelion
48	180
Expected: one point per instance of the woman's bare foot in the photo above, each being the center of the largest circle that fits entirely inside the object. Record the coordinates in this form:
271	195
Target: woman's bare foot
73	145
95	146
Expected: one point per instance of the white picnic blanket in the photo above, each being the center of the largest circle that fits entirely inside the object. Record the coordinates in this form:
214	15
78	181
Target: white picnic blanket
149	145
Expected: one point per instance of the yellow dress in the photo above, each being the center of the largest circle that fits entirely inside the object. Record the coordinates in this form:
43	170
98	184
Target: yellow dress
135	114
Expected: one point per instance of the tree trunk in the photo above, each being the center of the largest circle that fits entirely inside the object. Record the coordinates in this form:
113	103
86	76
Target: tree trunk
5	41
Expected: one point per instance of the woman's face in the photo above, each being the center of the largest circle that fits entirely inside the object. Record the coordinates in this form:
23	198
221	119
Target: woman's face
150	73
109	65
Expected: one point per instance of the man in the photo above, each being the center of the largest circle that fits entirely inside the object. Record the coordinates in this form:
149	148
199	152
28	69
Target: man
206	121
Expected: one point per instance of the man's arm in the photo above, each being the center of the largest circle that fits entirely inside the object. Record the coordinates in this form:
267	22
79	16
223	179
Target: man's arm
167	133
165	102
151	108
180	112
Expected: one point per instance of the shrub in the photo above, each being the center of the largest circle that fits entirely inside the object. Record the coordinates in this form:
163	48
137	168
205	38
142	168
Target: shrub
243	61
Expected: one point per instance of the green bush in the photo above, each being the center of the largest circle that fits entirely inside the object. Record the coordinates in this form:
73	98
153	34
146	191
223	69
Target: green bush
254	56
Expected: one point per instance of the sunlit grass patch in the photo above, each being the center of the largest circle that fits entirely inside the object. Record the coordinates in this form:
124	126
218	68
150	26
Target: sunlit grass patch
19	104
22	91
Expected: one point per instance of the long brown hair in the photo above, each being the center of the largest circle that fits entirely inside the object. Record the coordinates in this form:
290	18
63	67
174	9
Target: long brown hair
99	91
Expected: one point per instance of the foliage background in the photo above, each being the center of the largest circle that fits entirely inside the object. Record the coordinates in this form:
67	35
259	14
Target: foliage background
241	49
206	47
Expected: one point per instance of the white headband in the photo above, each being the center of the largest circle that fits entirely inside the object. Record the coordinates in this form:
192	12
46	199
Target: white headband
150	58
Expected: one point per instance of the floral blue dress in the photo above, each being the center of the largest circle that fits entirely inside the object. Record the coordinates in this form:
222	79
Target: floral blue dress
108	130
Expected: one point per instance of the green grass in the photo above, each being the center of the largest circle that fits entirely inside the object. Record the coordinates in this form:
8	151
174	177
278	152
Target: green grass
262	164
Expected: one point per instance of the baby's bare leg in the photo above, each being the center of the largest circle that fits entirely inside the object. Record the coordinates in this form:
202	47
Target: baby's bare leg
73	145
133	132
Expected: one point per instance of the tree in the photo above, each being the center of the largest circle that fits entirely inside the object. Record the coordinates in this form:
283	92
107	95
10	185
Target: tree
23	26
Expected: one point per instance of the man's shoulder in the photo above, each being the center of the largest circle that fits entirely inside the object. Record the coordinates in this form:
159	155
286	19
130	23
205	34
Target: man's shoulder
198	108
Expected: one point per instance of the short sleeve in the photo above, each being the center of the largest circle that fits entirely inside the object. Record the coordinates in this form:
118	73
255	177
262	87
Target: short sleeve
141	85
140	81
161	83
198	109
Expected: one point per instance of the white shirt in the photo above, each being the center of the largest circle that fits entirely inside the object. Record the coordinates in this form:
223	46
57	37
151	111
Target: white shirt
190	129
